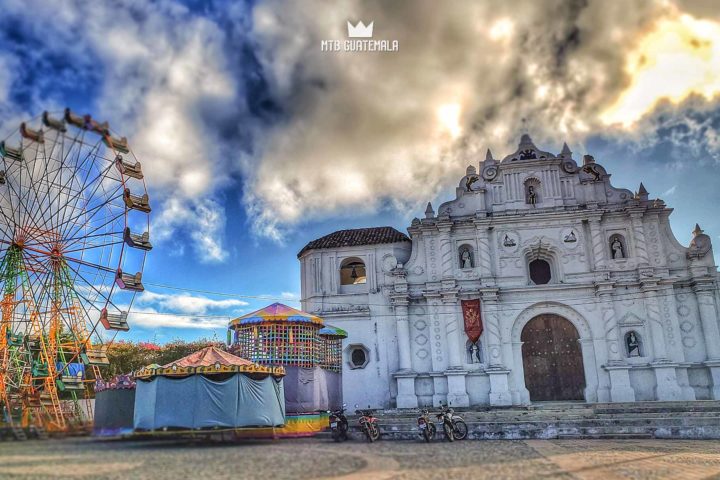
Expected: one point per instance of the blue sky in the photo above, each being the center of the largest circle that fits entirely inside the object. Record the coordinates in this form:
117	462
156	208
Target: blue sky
255	142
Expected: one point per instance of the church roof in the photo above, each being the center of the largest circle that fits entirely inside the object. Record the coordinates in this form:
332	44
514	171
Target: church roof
355	237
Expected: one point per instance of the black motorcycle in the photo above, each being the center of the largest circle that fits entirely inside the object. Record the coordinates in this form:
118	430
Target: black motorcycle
339	424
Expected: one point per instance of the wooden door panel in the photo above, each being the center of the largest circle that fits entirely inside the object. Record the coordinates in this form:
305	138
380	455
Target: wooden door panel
552	359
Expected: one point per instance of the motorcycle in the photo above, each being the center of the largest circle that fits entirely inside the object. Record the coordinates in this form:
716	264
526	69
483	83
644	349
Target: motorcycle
456	423
426	426
444	421
338	424
368	424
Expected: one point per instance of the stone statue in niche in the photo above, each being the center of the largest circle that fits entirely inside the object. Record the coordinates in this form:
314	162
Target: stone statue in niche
633	345
474	351
616	247
532	196
466	258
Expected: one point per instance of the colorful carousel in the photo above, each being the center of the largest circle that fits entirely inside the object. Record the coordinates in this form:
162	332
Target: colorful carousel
309	351
209	390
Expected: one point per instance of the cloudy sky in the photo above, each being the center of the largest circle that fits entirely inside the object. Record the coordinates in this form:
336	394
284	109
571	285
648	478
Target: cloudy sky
254	141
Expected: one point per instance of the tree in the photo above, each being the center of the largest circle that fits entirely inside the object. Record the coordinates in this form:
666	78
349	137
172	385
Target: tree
127	357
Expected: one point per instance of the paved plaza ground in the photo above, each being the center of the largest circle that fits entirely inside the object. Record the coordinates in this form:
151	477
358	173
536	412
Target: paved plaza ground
319	458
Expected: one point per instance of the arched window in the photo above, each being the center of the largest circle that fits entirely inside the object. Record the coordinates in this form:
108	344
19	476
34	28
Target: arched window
474	352
352	272
540	271
633	344
618	248
466	258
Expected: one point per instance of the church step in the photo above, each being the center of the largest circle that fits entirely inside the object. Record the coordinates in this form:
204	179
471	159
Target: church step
605	436
517	432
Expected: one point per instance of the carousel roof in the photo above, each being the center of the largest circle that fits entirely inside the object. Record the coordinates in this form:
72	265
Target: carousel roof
209	356
330	331
277	312
208	361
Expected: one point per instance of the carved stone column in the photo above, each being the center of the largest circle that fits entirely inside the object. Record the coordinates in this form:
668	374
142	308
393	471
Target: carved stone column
483	254
405	376
711	333
457	388
617	368
438	346
447	255
497	370
598	243
639	235
403	331
667	386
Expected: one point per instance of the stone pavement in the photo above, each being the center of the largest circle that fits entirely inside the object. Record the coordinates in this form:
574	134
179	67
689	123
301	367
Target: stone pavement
355	460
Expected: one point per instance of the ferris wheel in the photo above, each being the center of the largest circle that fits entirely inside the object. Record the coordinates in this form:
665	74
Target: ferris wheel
74	234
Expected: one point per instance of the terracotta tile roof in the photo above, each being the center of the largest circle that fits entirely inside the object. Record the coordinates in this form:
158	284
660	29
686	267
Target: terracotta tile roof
355	237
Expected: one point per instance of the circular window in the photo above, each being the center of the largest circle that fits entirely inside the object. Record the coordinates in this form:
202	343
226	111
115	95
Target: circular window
358	356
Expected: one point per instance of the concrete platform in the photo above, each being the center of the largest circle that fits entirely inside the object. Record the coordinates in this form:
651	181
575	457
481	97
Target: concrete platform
678	420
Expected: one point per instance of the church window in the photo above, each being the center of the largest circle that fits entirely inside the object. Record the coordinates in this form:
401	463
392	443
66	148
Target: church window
633	345
352	272
465	256
618	247
540	272
359	356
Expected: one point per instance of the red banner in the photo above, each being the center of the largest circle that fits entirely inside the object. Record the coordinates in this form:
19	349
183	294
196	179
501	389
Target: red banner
473	319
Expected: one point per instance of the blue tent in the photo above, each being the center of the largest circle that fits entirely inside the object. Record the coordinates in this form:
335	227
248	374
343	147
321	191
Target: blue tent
209	389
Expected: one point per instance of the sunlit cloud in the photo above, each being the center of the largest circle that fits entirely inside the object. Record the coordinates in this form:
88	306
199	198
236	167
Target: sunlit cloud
678	58
449	117
181	303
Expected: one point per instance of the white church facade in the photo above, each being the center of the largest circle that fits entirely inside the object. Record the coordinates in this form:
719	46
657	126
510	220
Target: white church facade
540	281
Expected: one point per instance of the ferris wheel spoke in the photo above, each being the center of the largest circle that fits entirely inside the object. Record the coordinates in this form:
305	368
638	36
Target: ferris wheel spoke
85	184
73	173
91	247
91	195
76	239
19	204
89	264
93	287
89	214
71	151
121	214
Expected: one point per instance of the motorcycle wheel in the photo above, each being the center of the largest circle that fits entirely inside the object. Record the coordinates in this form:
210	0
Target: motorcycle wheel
449	436
336	435
343	431
426	434
460	429
374	432
432	430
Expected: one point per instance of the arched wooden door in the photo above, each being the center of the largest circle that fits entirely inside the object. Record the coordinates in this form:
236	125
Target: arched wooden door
552	359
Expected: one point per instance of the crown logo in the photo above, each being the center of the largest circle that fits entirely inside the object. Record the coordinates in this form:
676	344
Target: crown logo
360	30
